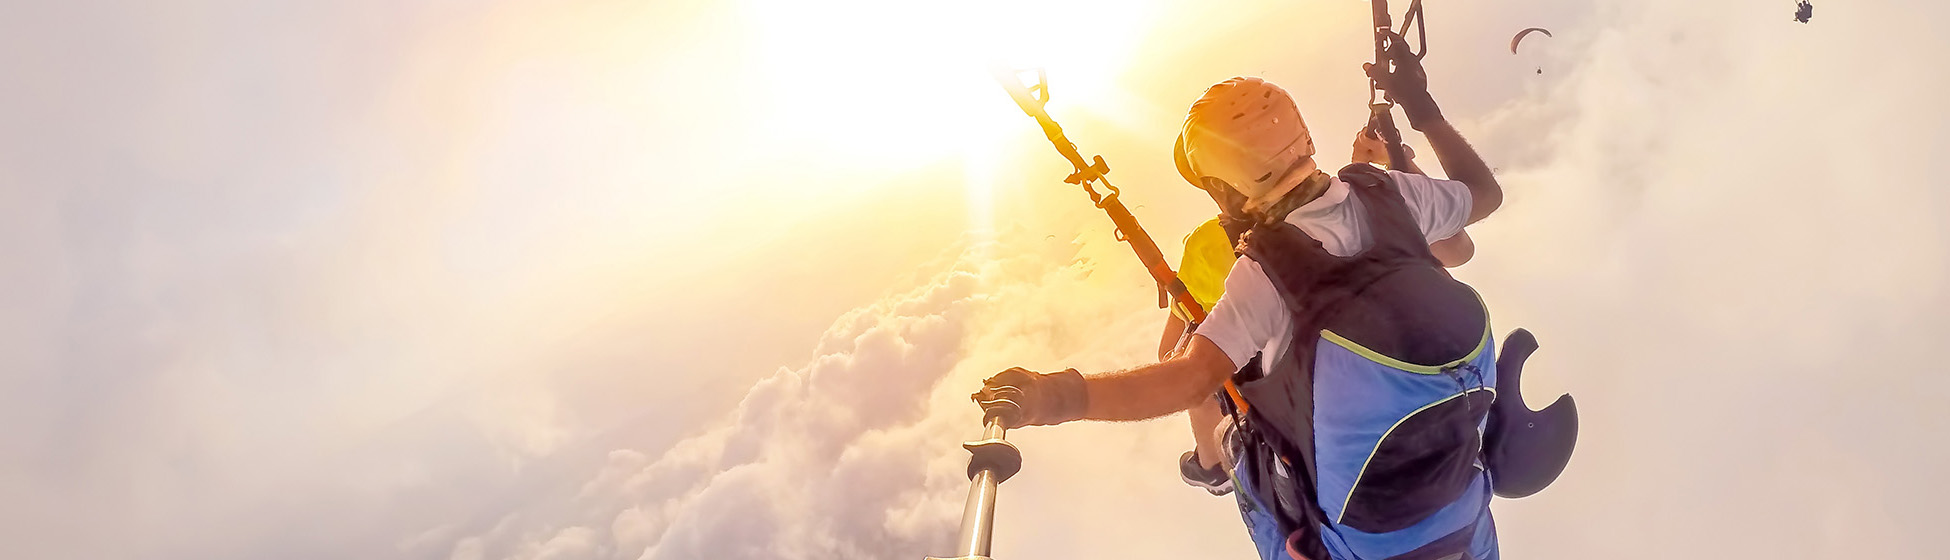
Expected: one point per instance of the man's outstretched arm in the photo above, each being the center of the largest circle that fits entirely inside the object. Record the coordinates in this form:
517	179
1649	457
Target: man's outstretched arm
1020	397
1158	389
1247	316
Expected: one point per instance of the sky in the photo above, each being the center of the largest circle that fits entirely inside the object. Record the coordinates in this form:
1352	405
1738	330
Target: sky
711	280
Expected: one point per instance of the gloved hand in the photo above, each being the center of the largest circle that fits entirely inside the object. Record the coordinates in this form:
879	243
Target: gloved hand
1019	397
1407	85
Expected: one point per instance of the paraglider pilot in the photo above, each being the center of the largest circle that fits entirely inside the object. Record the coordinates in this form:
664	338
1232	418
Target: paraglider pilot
1366	422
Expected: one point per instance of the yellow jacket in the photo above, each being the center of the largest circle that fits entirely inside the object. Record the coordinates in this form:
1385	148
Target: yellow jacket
1208	258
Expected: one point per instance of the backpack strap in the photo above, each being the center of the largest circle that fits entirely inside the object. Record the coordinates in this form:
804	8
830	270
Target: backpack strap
1404	285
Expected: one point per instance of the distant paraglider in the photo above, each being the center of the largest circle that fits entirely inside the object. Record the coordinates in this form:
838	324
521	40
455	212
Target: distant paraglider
1526	33
1802	12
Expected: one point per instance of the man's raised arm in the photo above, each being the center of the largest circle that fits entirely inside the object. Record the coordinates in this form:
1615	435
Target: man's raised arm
1408	86
1463	164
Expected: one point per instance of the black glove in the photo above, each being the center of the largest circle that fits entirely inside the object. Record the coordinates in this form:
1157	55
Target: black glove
1408	85
1019	397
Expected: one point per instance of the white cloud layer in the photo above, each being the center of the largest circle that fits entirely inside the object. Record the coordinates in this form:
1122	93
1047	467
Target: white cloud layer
852	455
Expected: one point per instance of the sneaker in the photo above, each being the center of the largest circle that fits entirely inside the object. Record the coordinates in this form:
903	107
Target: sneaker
1213	480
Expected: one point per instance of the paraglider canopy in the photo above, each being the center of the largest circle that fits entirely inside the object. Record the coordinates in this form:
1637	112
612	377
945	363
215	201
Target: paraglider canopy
1526	33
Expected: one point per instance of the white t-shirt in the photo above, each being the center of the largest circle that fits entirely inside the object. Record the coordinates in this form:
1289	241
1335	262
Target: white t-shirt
1250	318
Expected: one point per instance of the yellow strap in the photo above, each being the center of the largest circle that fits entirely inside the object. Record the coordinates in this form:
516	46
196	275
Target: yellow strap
1379	358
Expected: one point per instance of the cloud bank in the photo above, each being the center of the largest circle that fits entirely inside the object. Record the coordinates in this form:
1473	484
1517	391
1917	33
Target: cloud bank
852	455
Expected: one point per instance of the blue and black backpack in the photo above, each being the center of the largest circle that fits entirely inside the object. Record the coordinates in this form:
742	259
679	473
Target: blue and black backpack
1371	431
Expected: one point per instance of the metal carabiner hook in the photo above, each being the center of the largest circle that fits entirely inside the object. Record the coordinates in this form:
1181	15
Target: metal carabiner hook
1415	18
1385	39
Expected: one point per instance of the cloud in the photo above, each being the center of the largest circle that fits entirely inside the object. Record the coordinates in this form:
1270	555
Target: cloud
1710	230
854	454
849	456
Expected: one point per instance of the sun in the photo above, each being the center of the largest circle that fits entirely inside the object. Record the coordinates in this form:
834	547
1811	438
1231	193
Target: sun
906	82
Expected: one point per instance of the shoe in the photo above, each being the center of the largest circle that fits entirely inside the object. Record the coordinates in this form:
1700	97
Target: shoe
1213	480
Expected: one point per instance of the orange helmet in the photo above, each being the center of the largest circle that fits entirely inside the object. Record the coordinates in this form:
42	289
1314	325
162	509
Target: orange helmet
1246	134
